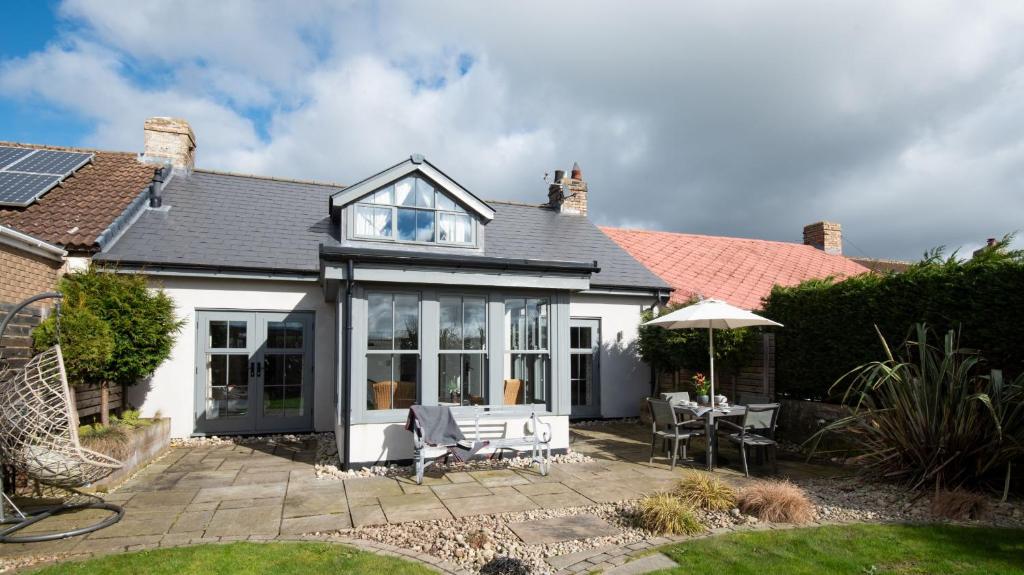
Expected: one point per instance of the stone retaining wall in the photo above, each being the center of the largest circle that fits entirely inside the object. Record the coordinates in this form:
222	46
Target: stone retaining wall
144	444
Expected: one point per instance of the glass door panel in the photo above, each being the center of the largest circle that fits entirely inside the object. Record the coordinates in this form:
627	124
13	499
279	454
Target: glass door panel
226	373
286	388
584	353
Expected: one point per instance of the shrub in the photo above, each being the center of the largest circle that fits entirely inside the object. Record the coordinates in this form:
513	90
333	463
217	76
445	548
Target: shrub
933	413
675	349
959	505
705	491
86	343
139	321
775	501
830	325
668	514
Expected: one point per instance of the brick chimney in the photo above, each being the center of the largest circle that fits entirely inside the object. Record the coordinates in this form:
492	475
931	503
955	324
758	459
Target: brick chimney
169	140
826	236
569	195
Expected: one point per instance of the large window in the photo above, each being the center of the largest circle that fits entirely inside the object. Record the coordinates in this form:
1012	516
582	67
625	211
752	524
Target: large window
411	210
392	350
462	355
528	359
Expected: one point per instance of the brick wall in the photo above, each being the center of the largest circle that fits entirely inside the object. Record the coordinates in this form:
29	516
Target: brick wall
23	274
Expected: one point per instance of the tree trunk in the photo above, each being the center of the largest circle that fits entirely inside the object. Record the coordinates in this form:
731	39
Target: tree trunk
105	403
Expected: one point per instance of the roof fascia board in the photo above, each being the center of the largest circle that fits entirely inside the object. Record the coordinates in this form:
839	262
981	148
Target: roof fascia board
460	277
453	261
356	191
27	243
197	270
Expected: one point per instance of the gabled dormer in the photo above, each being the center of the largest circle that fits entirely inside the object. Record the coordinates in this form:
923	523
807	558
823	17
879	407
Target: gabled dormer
412	205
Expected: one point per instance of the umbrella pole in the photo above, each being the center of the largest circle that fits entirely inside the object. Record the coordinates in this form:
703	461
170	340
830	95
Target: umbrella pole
711	357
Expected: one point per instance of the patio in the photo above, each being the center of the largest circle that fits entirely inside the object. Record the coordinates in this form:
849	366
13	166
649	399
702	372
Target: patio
269	491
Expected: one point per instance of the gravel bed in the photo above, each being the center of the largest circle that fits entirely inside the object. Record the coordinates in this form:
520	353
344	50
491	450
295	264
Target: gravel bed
859	500
602	422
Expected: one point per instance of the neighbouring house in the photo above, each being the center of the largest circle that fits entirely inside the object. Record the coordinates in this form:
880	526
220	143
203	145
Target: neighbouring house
58	208
320	307
740	271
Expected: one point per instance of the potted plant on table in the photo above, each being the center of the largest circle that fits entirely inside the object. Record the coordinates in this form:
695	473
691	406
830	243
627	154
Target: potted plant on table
702	386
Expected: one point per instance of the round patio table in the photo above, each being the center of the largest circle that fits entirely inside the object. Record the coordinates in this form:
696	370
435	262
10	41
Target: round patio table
710	427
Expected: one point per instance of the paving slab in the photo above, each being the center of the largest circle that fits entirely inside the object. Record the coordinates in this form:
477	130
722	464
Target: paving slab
241	492
645	564
264	520
134	524
372	487
314	523
457	490
309	501
567	528
191	521
367	515
206	479
604	491
246	477
498	478
560	500
488	504
563	561
158	500
543	488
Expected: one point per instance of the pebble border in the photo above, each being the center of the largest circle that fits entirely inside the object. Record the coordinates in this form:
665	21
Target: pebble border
594	559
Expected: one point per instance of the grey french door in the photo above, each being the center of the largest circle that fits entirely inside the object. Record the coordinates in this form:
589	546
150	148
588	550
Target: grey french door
584	367
254	372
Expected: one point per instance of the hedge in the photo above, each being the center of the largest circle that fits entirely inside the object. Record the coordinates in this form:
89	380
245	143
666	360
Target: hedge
830	325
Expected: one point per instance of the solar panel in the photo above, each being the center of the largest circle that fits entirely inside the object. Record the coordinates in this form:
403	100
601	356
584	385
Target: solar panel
50	162
23	189
10	155
27	173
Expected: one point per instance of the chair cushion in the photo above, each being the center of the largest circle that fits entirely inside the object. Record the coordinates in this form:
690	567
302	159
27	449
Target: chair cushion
751	439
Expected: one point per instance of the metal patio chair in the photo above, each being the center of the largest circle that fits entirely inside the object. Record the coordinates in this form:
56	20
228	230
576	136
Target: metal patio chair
39	438
666	426
757	431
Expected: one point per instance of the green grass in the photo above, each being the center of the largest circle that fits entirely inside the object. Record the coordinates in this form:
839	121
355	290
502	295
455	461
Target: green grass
858	549
242	559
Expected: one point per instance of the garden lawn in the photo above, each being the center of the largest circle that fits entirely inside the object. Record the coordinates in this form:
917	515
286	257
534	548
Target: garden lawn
859	549
242	558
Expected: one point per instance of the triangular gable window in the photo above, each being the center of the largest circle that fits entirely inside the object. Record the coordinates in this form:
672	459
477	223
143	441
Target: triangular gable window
413	210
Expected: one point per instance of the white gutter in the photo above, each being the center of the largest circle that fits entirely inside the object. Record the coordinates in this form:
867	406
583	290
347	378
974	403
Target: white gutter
25	242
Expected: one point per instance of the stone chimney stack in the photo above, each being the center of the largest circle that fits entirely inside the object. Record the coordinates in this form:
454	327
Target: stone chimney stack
826	236
569	195
169	140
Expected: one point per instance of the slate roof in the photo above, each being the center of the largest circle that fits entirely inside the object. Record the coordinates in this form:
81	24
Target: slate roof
738	270
75	213
231	221
235	221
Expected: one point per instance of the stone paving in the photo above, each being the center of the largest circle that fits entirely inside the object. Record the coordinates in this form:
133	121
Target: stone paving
270	491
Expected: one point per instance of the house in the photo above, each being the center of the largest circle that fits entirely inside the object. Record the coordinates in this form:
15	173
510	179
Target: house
58	208
740	271
316	306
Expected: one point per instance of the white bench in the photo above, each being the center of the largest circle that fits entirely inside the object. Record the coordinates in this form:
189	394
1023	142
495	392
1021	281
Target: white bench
486	428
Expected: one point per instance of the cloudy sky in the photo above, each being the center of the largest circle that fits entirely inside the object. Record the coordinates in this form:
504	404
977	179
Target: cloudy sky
904	121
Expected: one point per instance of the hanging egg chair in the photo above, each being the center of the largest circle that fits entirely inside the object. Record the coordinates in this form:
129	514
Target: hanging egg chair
39	438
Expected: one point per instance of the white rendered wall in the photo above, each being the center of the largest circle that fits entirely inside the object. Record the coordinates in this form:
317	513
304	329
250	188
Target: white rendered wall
625	380
171	390
380	442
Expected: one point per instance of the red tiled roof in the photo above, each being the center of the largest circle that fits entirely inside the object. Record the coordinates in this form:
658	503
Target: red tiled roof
737	270
76	212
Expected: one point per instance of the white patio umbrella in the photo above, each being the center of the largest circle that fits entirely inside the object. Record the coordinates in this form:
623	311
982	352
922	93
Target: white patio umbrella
711	314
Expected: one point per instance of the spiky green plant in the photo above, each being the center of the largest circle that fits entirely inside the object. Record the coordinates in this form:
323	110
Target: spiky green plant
665	513
933	415
705	491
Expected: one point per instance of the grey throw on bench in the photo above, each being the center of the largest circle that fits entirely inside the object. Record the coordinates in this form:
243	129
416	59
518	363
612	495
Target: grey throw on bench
436	423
